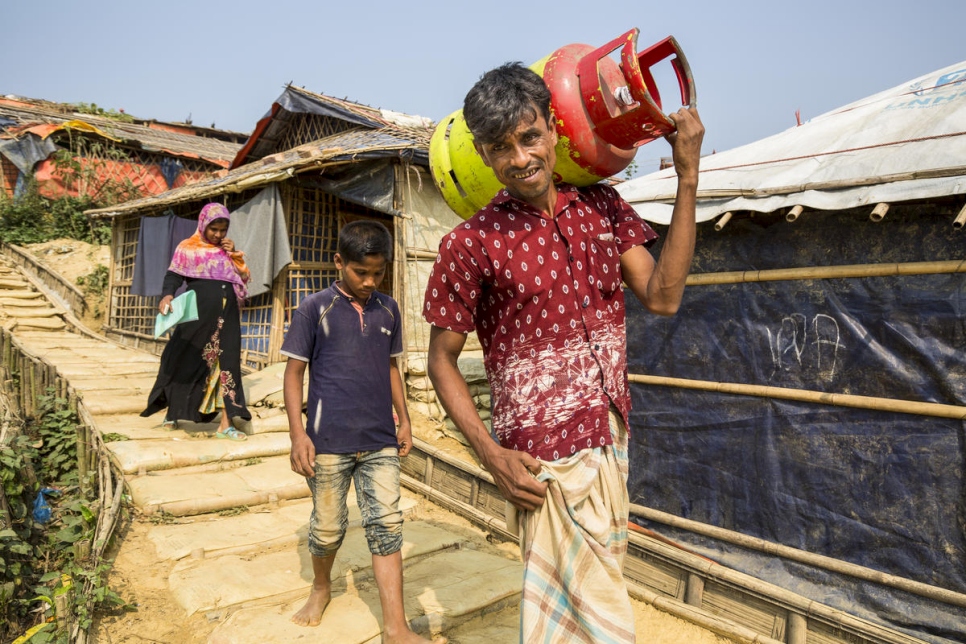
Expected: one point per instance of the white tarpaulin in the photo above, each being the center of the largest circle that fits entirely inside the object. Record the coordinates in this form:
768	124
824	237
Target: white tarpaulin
906	143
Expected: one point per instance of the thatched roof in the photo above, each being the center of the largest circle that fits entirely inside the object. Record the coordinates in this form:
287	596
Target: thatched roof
43	118
338	149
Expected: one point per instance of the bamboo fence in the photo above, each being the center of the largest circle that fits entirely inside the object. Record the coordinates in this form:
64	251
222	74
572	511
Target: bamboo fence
26	379
660	573
46	280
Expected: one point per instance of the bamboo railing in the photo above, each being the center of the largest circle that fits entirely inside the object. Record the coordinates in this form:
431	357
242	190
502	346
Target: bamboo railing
47	281
828	272
26	379
938	410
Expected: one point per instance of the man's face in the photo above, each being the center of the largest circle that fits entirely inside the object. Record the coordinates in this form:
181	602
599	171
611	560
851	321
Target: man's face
523	160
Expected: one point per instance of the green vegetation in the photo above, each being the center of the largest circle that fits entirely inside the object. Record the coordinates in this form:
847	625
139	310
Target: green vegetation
48	517
96	110
33	217
95	282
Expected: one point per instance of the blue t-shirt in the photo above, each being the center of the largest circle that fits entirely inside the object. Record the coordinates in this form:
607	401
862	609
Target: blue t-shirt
350	395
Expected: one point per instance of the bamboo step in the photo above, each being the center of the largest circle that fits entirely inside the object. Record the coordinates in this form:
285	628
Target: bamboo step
249	533
284	574
441	592
35	323
184	494
139	456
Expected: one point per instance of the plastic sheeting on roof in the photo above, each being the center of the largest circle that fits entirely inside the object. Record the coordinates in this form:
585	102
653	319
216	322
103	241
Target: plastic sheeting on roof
905	143
26	151
297	102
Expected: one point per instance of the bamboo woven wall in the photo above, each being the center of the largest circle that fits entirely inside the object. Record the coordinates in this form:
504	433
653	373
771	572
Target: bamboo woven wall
8	176
314	219
310	127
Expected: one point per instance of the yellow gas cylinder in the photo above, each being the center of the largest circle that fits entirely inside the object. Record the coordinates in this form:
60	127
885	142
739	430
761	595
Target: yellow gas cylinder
603	112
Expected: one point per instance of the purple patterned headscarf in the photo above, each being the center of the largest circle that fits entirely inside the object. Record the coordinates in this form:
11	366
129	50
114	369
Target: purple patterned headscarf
195	257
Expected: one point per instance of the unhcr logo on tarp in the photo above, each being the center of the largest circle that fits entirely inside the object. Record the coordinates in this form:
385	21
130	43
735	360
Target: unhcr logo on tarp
948	87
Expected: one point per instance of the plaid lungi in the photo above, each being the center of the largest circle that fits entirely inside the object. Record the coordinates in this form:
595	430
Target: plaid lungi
573	549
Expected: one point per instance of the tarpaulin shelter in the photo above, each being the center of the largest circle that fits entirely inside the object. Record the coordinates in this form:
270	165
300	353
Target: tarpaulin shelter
801	418
152	156
316	163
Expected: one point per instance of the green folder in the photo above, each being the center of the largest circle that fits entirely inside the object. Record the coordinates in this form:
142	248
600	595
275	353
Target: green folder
184	308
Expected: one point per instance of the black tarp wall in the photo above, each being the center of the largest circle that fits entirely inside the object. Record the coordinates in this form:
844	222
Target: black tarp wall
879	489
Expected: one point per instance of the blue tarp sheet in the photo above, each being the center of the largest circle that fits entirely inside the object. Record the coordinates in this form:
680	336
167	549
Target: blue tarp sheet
880	489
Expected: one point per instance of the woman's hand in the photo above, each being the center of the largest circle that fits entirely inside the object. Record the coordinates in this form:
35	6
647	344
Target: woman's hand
164	306
228	245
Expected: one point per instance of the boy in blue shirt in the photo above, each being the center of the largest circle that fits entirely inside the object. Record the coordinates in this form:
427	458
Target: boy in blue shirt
350	336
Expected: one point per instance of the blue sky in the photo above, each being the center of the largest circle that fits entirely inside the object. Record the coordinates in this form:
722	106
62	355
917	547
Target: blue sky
755	62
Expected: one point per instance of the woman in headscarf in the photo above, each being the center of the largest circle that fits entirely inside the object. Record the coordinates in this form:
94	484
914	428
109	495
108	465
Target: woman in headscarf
200	372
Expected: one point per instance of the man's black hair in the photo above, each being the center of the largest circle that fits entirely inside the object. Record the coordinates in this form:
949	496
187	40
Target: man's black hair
359	239
502	98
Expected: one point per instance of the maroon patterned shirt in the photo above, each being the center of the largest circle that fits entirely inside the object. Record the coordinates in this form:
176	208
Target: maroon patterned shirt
545	298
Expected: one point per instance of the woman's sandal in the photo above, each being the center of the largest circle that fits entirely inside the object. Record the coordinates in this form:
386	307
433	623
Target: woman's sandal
169	425
232	434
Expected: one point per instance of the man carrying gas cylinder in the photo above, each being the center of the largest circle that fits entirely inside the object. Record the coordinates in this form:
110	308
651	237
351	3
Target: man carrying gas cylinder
537	274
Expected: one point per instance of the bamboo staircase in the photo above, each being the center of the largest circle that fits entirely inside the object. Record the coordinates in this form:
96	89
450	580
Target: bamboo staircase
228	519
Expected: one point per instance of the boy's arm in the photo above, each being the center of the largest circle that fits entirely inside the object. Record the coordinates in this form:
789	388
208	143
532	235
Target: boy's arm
303	451
404	435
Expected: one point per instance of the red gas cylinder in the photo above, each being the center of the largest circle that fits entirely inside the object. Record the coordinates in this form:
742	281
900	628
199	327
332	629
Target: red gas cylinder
603	110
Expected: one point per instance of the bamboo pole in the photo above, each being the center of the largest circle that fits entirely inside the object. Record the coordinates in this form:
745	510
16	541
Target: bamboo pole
775	595
794	213
82	458
937	410
879	212
713	623
205	506
960	219
454	505
797	628
794	554
722	221
416	253
835	184
28	386
829	272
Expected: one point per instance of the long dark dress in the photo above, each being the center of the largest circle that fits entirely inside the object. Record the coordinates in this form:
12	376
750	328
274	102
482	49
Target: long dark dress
183	375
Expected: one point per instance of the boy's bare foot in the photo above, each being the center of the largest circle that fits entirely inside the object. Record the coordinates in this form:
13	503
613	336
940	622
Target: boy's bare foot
315	605
409	637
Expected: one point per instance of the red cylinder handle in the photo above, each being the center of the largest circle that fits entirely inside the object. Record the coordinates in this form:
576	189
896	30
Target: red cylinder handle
630	121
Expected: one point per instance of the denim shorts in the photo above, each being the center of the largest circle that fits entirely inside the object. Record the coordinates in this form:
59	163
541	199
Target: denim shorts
376	478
